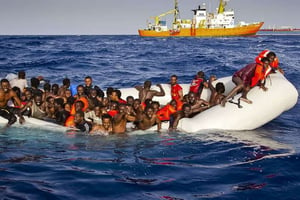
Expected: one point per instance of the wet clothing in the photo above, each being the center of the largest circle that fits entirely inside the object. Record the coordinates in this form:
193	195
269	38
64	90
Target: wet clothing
61	117
84	126
246	73
260	74
9	113
36	112
175	91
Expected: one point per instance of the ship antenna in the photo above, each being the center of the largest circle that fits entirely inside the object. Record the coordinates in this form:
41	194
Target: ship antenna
176	11
222	6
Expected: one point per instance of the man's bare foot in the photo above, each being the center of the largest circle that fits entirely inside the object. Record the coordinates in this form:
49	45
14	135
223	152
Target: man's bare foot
21	120
246	100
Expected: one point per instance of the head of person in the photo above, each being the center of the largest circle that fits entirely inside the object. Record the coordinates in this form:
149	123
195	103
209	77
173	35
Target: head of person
173	103
21	74
148	102
220	88
200	74
271	56
38	99
47	87
191	98
105	101
92	93
67	107
55	89
109	90
122	108
265	62
149	112
66	82
155	105
17	91
130	100
28	94
136	103
79	105
5	85
80	90
68	93
186	110
114	105
147	84
88	81
58	103
114	96
97	110
79	117
173	79
106	121
35	82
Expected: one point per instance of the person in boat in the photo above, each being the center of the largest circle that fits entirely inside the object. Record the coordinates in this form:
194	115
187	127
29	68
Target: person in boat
198	83
116	96
121	118
165	112
197	105
95	115
50	109
37	107
145	91
89	85
20	82
217	93
9	113
176	89
130	100
35	83
105	128
186	112
61	115
65	86
93	99
148	119
274	61
80	122
248	77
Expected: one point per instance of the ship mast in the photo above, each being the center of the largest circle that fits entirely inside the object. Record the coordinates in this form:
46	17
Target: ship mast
176	11
222	6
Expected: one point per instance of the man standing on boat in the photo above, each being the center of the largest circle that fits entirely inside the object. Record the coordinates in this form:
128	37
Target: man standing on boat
6	93
145	91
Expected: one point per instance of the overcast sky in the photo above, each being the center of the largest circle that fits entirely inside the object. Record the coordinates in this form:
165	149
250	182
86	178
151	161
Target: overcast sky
126	16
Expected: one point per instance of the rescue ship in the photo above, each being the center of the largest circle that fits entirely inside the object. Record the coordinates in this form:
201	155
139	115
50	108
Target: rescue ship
203	24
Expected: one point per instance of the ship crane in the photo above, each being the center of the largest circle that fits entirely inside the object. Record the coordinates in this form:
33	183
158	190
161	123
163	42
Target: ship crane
174	11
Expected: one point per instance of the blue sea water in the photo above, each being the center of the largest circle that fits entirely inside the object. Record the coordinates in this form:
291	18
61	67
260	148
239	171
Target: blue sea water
43	164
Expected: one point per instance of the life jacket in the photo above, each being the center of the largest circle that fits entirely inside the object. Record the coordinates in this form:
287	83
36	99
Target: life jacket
196	85
259	74
263	54
165	112
70	121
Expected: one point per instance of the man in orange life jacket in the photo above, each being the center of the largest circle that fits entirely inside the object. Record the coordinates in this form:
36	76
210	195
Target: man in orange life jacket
246	78
274	62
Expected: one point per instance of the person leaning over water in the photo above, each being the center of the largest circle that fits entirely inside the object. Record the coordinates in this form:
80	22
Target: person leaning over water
6	93
248	77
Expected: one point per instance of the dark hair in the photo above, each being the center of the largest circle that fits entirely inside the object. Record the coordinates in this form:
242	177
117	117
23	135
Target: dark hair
186	105
200	74
59	101
270	54
106	116
21	74
17	91
4	80
35	82
174	76
47	87
88	77
109	90
265	59
66	81
118	92
220	88
80	113
81	102
147	84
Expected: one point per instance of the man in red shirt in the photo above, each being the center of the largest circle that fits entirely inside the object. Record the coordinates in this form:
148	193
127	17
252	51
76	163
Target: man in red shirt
176	89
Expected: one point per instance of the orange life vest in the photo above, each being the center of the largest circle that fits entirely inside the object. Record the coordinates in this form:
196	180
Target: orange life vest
165	112
263	54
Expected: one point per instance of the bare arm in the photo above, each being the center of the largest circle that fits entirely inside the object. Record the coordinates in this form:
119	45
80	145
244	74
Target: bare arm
161	92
